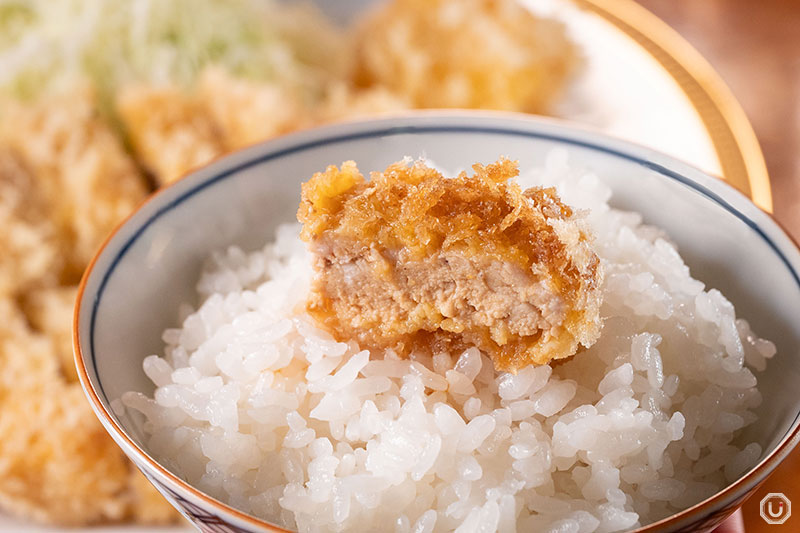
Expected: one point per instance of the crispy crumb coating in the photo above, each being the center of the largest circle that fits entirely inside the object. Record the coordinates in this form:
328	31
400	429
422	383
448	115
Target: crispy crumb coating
49	312
492	54
77	169
410	260
246	112
65	181
28	239
57	463
344	102
169	130
224	113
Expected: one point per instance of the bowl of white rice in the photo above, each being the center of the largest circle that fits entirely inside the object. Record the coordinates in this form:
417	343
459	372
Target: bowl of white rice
194	347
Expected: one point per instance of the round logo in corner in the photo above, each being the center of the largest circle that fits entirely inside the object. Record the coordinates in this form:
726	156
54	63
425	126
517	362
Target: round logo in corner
776	508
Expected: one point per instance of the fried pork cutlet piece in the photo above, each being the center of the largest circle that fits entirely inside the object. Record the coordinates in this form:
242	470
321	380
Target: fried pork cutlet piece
344	102
65	180
49	311
30	255
57	464
492	54
169	130
77	168
174	130
246	112
413	261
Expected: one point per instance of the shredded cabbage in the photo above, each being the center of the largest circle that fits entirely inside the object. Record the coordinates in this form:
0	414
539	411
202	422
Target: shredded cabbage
47	44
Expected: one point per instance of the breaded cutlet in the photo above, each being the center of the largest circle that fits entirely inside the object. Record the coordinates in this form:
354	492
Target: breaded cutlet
489	54
77	168
65	181
57	463
413	261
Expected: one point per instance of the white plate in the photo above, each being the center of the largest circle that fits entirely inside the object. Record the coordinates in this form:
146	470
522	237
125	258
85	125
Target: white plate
625	92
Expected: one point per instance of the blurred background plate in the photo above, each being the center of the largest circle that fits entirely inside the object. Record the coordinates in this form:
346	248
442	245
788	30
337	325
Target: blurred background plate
645	83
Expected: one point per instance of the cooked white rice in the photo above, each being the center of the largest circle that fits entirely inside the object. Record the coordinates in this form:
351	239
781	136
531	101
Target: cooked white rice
259	408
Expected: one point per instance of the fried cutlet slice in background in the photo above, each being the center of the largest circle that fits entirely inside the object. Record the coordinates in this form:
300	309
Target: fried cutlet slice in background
169	130
79	169
49	312
65	181
492	54
174	130
30	254
57	463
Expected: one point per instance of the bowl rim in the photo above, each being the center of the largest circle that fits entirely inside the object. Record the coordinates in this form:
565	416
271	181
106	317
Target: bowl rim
428	121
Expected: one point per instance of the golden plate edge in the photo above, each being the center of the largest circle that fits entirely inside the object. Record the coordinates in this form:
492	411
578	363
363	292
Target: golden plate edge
726	123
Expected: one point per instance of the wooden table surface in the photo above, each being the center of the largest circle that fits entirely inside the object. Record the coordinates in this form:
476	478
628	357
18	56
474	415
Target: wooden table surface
755	46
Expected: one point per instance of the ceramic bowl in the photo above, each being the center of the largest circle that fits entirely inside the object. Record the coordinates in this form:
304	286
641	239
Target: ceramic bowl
133	287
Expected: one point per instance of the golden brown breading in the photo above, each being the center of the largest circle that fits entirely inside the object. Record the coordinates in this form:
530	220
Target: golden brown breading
57	463
30	256
413	261
246	112
25	357
65	181
169	130
344	102
174	130
81	171
49	312
492	54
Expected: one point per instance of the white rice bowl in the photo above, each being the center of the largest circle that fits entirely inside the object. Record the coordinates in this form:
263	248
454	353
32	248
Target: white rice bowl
259	408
